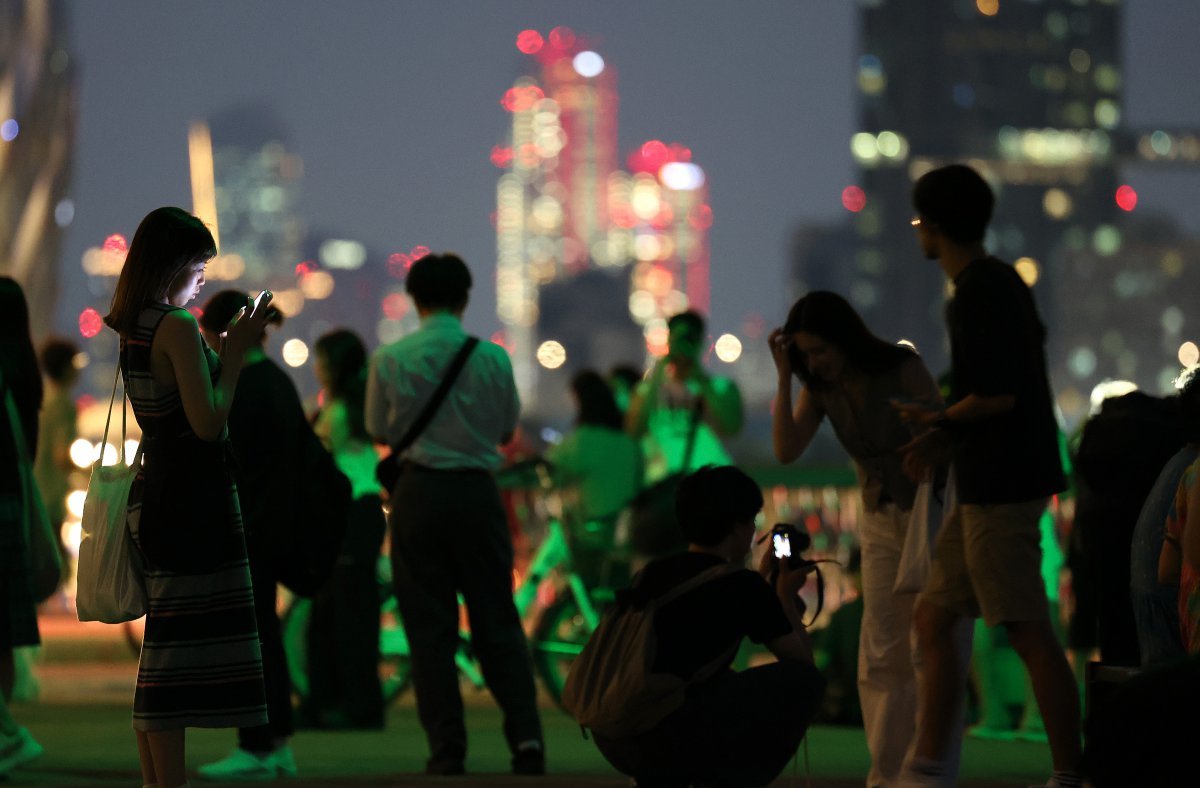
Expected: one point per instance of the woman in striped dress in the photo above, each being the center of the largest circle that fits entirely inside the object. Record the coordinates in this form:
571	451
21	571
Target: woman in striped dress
200	664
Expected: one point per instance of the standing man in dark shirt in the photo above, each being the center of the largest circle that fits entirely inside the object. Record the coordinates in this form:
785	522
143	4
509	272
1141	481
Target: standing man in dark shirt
1003	441
733	728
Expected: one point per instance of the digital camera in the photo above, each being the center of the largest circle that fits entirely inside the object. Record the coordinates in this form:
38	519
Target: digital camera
789	543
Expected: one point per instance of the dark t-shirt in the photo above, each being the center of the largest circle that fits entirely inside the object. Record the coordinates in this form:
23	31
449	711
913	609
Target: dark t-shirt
997	347
710	620
265	425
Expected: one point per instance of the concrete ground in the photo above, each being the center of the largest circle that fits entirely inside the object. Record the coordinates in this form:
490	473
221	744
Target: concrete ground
82	718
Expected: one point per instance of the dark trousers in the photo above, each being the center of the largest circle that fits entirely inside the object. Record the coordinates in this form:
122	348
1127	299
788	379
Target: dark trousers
738	729
343	632
276	677
449	536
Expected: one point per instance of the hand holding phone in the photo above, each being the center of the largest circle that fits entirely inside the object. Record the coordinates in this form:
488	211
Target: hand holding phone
264	296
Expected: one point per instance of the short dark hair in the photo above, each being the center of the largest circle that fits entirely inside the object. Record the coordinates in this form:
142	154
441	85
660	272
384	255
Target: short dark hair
709	502
596	403
57	357
691	318
956	199
439	281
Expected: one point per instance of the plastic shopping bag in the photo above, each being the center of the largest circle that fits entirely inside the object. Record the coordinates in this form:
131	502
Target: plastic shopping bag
930	507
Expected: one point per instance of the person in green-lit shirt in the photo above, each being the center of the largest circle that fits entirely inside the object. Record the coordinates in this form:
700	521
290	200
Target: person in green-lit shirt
665	405
601	467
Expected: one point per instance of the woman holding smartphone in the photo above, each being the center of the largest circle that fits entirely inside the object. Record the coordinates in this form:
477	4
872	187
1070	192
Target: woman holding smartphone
200	664
852	376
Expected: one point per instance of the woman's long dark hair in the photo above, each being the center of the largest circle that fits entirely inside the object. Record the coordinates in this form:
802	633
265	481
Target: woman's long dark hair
18	360
345	360
167	241
597	406
830	317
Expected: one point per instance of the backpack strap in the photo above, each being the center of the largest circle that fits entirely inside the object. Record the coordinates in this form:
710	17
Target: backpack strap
692	583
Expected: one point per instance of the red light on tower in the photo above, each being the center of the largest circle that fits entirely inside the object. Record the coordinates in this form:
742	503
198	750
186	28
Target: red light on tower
501	156
394	306
562	38
1126	197
530	41
90	323
398	264
854	199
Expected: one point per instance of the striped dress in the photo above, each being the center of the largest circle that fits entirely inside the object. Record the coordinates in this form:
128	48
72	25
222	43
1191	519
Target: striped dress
201	664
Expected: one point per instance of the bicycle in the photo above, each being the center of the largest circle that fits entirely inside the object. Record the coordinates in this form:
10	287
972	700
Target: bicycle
558	607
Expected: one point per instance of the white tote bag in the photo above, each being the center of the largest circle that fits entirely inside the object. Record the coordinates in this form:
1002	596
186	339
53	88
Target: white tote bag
930	507
111	588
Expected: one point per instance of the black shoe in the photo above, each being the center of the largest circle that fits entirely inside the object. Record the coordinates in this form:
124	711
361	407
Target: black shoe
444	767
530	760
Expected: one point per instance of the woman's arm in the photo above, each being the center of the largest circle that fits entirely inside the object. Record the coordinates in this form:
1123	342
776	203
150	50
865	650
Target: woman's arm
205	405
793	429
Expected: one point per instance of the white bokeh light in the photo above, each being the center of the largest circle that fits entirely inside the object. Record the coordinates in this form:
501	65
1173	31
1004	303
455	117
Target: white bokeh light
682	176
588	64
551	354
728	348
295	353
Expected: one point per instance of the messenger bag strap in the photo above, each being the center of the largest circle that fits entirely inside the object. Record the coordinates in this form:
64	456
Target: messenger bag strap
422	421
693	427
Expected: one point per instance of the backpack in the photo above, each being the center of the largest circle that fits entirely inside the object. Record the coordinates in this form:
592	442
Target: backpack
305	557
612	688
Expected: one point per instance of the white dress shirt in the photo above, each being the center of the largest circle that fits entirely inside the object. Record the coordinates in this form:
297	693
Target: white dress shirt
478	413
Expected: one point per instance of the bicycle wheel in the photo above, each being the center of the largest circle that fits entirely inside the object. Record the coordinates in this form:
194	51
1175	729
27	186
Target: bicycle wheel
557	640
395	663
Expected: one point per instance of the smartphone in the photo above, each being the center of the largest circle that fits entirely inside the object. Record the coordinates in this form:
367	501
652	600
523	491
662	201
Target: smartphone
782	544
263	295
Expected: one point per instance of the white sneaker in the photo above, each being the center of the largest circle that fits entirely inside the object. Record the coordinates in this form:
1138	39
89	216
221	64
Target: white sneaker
18	749
240	765
285	761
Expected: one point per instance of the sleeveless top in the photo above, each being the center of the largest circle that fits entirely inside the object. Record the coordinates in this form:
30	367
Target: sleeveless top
871	434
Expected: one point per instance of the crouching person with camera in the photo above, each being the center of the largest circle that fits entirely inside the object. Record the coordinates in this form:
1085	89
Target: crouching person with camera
654	684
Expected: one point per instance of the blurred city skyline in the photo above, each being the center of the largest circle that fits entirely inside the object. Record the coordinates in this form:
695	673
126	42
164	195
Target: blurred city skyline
394	108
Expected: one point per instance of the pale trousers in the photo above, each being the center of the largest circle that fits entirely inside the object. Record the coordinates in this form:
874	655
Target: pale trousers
888	657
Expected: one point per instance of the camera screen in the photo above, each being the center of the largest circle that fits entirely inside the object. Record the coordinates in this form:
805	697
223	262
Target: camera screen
783	545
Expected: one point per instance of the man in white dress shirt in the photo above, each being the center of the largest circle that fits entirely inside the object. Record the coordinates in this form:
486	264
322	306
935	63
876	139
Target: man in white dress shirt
448	530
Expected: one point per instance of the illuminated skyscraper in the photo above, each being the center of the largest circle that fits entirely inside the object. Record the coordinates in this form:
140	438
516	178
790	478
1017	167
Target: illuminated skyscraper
1030	95
255	185
563	207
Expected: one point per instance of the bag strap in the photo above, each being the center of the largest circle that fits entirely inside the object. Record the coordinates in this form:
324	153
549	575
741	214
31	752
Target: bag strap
711	573
111	402
693	428
439	395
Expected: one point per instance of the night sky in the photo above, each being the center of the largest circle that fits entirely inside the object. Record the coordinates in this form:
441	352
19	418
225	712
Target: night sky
393	106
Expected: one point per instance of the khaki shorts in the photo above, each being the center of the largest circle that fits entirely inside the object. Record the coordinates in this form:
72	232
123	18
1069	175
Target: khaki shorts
987	561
